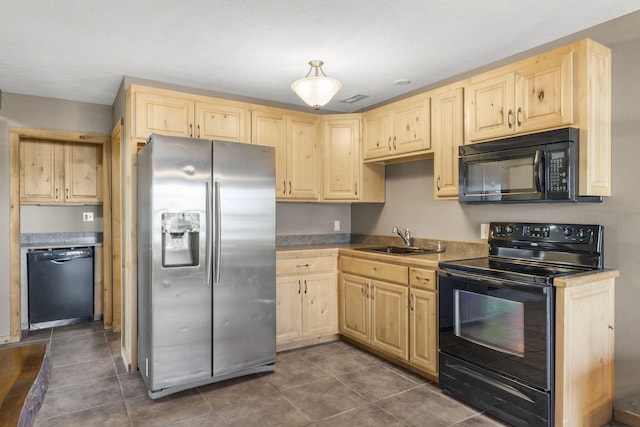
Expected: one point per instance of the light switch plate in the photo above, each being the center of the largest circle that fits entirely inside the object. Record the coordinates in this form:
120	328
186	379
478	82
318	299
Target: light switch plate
336	225
87	216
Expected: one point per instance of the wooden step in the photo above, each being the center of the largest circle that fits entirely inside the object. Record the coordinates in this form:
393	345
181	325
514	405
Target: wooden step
24	378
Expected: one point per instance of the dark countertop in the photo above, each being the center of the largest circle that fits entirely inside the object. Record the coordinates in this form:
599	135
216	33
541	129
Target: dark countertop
31	240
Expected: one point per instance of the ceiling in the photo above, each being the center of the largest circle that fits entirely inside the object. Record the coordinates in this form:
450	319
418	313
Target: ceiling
81	49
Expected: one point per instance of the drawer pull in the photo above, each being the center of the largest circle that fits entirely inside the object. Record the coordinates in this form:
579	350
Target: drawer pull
423	279
303	265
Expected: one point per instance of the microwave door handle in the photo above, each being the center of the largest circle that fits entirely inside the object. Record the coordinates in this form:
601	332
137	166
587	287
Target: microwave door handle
538	170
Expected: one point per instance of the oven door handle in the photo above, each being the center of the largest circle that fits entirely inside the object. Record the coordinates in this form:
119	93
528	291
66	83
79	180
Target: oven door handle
493	281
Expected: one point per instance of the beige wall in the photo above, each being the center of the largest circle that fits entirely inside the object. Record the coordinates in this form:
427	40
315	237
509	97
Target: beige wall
39	113
410	204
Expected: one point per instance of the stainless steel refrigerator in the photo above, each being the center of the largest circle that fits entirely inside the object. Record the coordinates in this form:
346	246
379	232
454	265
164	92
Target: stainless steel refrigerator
206	262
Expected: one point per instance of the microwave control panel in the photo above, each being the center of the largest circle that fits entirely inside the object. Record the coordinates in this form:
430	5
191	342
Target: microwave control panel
558	171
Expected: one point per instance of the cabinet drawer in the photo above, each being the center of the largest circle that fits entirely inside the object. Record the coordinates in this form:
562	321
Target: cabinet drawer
373	269
422	278
305	265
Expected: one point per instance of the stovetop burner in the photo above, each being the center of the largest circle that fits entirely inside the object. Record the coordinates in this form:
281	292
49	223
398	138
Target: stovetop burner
536	253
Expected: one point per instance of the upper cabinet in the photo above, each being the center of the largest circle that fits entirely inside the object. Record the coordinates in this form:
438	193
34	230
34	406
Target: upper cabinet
530	95
399	130
346	178
447	134
295	137
53	172
568	86
180	114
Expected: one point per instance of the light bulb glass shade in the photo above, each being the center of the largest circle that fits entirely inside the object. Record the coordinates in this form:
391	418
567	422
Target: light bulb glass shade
316	91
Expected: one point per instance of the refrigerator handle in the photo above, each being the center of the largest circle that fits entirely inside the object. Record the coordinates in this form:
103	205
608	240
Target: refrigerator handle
217	230
209	260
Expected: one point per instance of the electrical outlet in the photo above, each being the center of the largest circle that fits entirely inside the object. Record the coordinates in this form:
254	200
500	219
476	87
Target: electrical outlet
336	225
87	216
484	231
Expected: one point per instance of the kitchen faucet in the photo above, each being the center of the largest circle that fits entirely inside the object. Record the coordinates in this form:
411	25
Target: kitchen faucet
405	233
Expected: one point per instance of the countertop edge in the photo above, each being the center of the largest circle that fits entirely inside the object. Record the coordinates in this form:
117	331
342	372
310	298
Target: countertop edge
585	278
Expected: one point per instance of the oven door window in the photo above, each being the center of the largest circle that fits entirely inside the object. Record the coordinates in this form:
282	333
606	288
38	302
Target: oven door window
496	323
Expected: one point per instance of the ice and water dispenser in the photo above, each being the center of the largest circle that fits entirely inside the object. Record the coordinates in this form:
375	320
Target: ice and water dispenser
180	239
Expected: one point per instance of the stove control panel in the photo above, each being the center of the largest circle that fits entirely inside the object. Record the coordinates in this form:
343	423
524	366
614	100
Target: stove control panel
550	233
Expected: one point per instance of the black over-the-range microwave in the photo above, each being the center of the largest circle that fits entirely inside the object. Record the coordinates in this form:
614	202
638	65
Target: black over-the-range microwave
541	167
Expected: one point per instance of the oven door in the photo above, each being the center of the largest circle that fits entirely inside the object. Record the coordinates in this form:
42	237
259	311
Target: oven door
507	175
499	325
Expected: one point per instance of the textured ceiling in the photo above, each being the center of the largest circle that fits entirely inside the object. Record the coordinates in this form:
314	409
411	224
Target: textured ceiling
81	49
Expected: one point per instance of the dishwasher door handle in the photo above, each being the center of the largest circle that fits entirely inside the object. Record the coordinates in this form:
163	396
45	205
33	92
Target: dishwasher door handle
61	260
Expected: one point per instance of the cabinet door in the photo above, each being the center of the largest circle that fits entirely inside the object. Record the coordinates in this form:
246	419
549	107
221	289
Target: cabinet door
447	133
411	127
41	171
390	321
544	93
223	122
490	106
303	157
354	308
83	164
585	322
163	115
288	309
378	138
423	340
341	142
269	128
319	305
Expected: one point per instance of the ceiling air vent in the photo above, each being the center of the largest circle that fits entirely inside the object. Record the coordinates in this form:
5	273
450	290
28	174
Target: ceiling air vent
354	98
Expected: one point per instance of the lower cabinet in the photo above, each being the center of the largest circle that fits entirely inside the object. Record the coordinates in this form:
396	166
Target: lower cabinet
374	305
306	301
391	309
423	318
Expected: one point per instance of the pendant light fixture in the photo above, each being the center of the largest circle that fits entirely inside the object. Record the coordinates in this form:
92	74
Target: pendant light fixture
317	89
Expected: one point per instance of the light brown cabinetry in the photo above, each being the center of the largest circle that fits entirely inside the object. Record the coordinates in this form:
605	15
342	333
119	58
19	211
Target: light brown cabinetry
527	96
423	331
54	172
180	114
346	178
398	130
585	322
306	301
568	86
447	134
296	140
374	305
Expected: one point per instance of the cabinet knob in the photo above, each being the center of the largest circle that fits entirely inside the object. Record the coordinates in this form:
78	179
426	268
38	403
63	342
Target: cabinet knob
510	119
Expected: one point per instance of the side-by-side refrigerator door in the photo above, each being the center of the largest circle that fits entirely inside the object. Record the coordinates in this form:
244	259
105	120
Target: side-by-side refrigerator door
244	288
180	289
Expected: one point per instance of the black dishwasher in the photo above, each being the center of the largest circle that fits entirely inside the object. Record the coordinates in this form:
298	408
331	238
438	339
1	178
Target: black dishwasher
60	286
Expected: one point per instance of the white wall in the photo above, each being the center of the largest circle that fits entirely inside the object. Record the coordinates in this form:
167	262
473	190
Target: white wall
410	204
38	113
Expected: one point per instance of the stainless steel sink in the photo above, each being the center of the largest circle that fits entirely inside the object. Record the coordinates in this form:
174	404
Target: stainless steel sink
401	250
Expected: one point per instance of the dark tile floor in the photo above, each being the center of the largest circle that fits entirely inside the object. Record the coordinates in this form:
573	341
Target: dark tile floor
333	384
